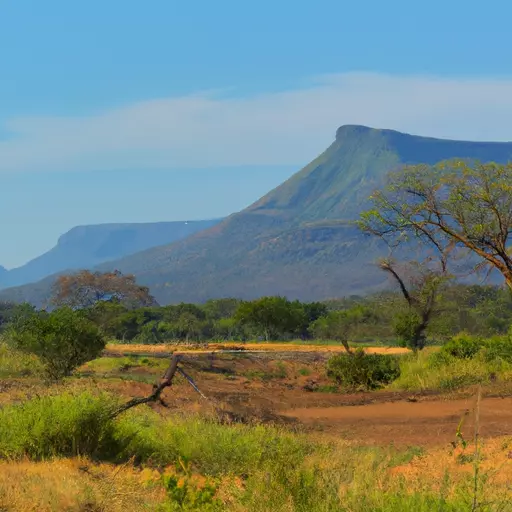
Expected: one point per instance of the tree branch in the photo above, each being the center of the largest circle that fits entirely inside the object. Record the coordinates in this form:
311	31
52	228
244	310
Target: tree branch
165	382
386	266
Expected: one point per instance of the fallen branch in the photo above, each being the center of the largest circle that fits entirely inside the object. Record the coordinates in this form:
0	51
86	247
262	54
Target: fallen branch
165	382
193	384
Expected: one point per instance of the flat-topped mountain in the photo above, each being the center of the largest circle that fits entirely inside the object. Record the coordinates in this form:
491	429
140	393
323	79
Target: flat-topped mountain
88	246
298	240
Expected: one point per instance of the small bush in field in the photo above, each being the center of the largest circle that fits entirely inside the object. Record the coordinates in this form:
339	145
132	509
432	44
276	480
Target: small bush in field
463	346
60	425
361	370
498	347
63	340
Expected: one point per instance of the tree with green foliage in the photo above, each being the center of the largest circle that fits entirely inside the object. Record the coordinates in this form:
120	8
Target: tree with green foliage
340	325
420	285
271	317
11	313
452	205
63	340
105	314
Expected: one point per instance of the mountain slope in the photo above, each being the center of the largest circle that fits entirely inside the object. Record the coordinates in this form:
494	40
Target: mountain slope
3	275
88	246
298	239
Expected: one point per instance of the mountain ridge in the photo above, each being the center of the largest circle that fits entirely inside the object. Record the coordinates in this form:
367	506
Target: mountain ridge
298	239
86	246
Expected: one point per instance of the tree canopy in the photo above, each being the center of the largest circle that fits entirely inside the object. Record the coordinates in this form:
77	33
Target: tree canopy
85	288
447	207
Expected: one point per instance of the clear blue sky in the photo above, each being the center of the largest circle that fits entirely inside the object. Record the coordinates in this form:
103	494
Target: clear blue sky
122	110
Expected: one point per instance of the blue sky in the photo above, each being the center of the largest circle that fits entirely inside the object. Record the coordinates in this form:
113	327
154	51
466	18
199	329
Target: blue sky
115	111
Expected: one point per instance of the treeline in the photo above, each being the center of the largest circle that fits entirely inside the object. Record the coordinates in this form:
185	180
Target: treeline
478	310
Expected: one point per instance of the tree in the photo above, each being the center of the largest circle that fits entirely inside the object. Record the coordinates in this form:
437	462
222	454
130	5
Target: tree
106	314
85	288
271	317
63	339
216	309
452	205
312	312
11	313
420	285
340	325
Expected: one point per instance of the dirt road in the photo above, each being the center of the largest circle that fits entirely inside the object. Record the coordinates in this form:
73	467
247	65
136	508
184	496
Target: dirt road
431	422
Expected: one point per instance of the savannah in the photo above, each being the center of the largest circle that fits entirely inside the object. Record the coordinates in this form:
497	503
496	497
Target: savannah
397	400
255	256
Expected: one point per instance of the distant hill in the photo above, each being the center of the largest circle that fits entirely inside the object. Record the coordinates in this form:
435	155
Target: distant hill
88	246
3	275
298	240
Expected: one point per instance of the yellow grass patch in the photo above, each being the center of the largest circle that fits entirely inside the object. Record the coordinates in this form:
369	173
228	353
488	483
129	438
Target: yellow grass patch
266	347
76	485
494	461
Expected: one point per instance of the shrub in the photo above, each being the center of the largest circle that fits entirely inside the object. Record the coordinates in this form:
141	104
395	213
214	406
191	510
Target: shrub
60	425
361	370
463	346
498	347
63	340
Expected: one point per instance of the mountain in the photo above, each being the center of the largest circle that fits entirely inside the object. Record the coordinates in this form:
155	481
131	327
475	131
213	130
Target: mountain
88	246
3	275
298	240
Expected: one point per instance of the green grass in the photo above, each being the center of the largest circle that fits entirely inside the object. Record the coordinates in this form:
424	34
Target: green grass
60	425
428	371
18	364
279	372
280	470
116	365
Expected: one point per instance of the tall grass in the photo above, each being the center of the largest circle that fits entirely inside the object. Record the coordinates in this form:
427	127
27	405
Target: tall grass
439	371
18	364
61	425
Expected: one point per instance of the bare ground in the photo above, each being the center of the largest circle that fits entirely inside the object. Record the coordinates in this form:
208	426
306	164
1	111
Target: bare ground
266	388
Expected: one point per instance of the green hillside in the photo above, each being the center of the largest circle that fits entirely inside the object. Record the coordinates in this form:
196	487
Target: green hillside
297	240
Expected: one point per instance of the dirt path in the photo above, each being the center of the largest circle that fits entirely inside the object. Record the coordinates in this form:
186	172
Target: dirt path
408	423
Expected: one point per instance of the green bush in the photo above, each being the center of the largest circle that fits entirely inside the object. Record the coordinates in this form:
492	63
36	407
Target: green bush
361	370
60	425
498	347
463	346
63	340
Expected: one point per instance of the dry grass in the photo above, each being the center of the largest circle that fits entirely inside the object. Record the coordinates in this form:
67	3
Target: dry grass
266	347
76	485
495	460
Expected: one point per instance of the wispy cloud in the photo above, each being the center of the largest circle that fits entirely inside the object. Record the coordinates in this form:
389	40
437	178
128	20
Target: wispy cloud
291	127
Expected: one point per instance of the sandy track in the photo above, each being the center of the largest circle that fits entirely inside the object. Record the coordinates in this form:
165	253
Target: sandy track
432	422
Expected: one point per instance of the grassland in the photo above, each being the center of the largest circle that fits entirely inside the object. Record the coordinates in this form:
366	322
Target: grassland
296	443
